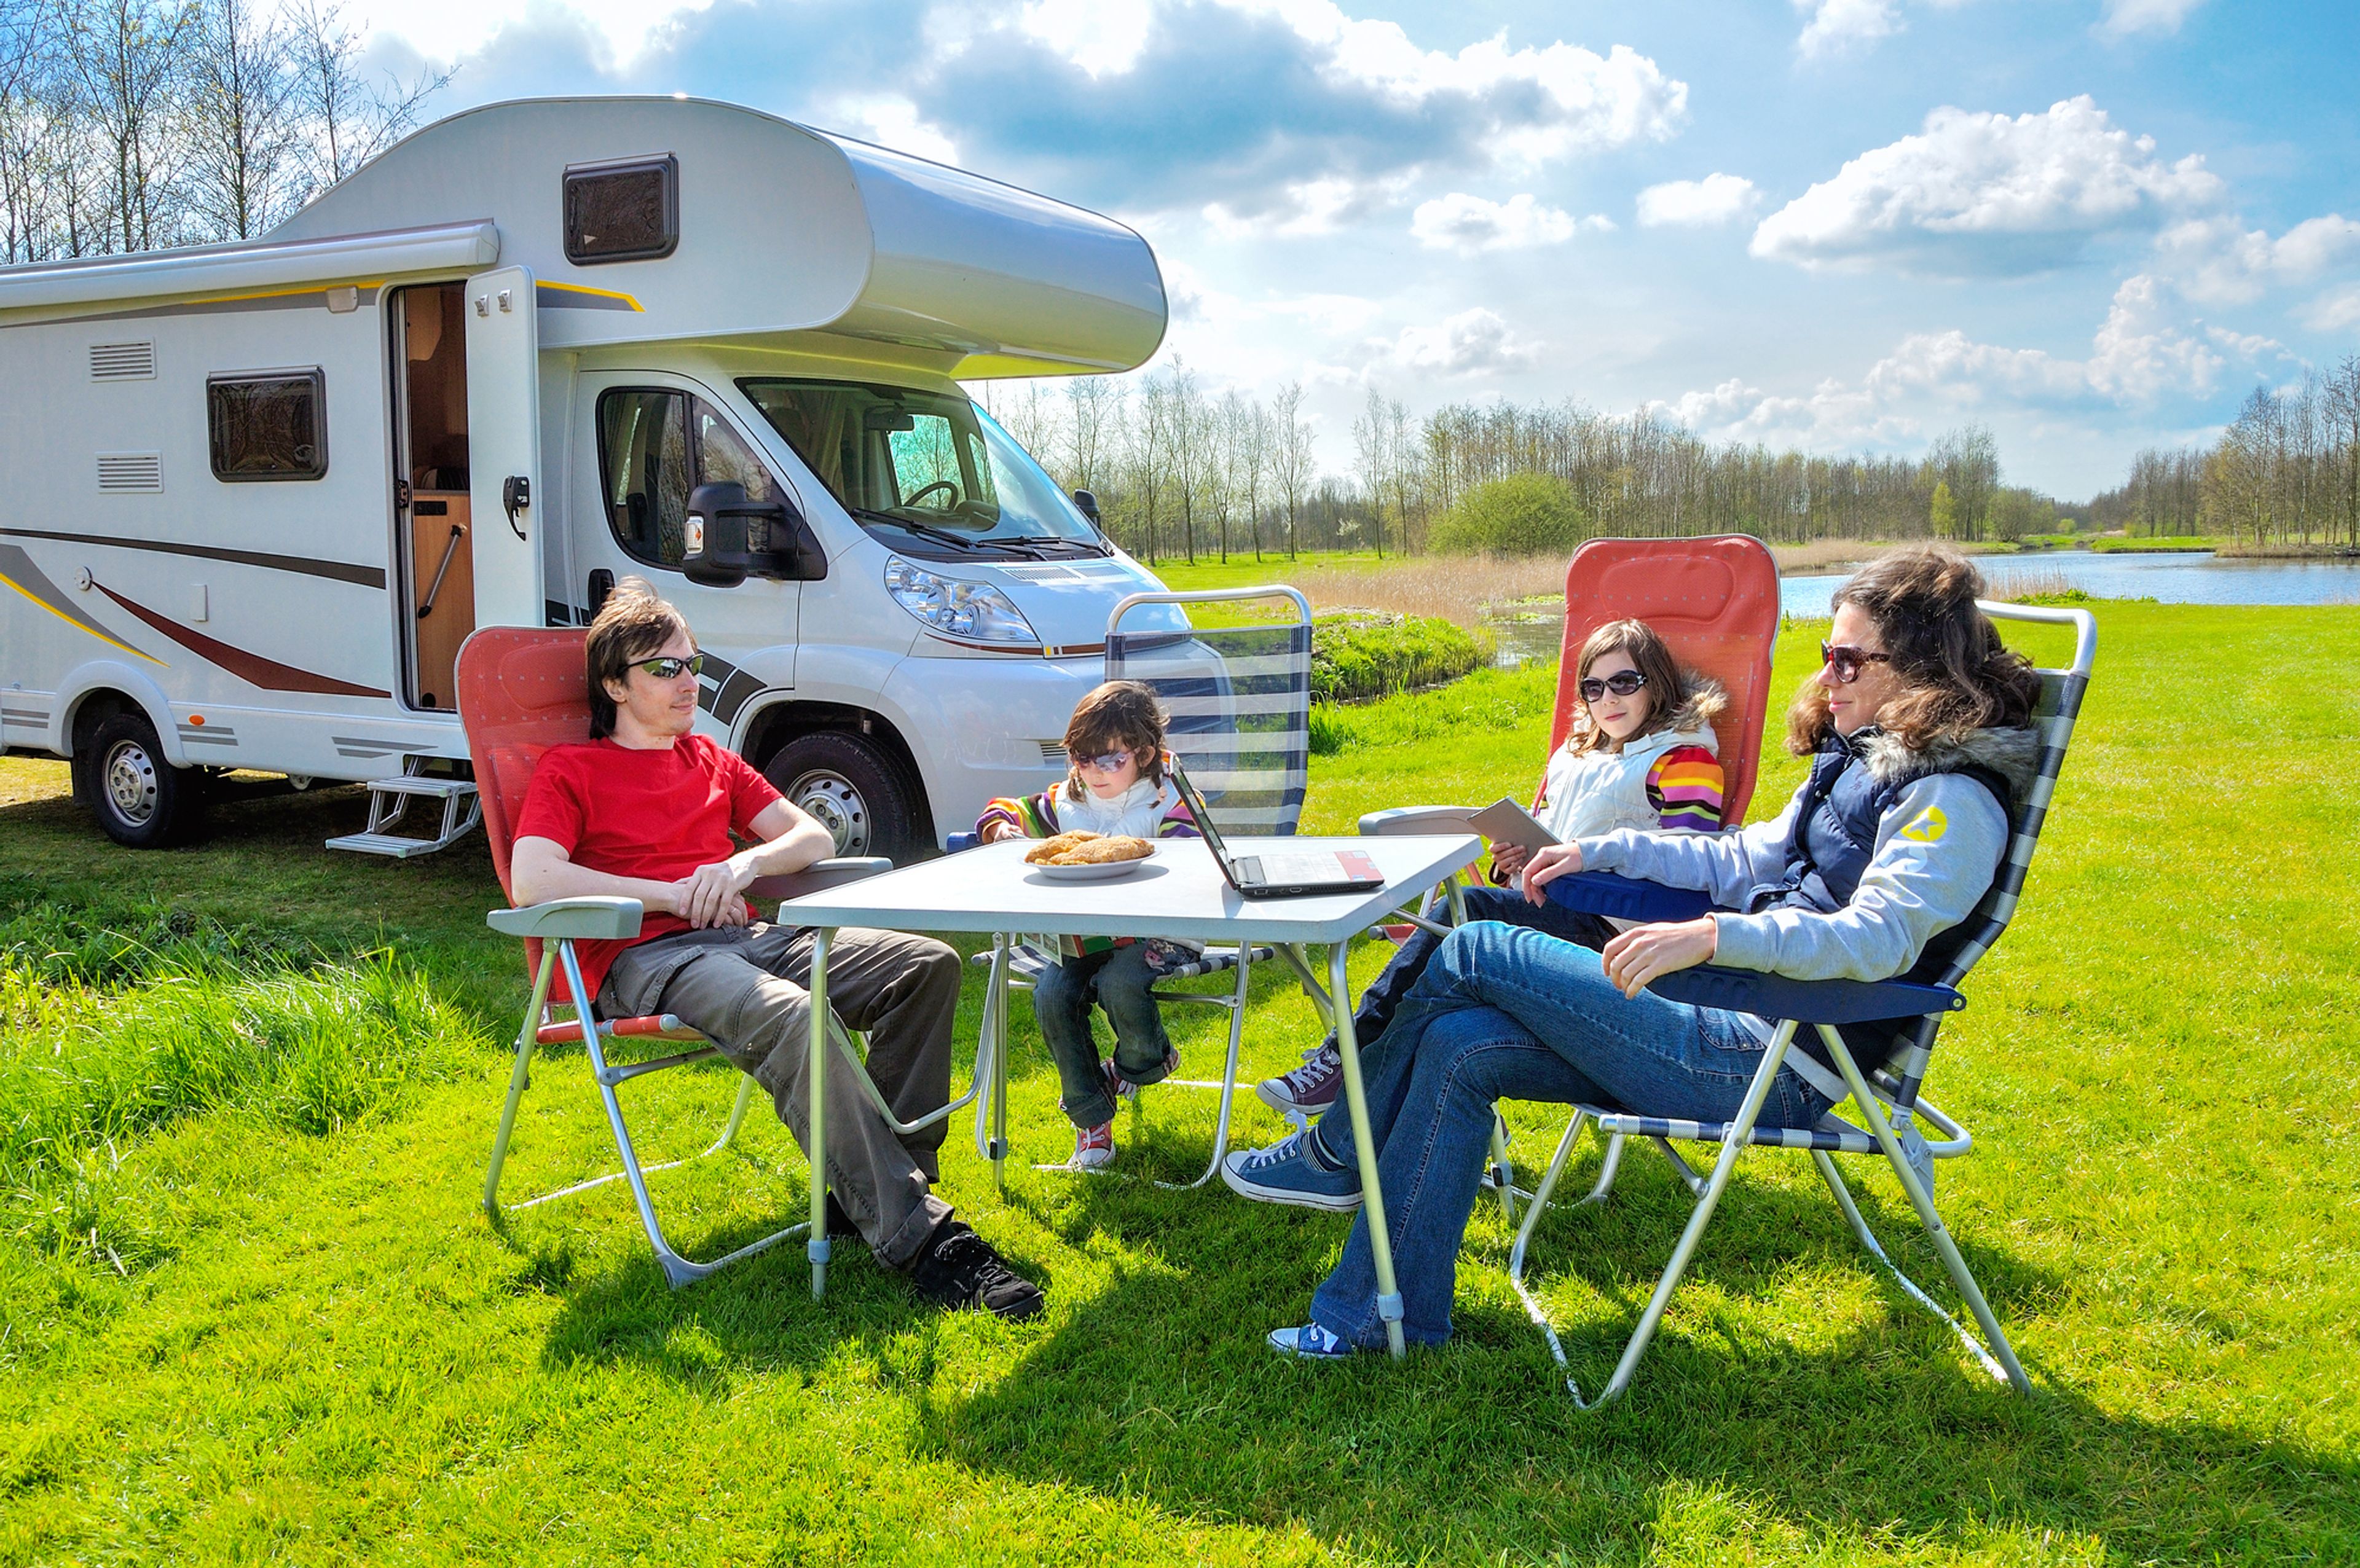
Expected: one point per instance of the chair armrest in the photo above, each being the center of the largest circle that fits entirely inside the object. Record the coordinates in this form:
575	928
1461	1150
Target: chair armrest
1805	1001
1625	897
1406	821
818	877
590	917
962	842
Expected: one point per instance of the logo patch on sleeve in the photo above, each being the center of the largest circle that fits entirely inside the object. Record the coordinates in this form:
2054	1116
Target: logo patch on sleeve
1929	827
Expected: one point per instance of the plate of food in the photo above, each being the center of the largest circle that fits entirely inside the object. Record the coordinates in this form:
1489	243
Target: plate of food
1088	857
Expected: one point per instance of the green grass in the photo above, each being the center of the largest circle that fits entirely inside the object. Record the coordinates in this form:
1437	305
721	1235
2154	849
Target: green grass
1356	657
314	1349
2119	545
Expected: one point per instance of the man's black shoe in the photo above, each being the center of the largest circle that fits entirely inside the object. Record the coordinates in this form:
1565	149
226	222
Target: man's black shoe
959	1268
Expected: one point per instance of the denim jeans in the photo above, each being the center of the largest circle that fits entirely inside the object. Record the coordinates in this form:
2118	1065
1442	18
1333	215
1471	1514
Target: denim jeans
1060	1000
1502	1012
1383	998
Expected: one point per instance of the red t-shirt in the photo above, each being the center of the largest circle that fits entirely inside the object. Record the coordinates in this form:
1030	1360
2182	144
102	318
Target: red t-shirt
656	814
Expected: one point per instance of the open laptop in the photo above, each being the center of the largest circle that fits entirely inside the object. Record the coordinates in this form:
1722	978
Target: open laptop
1291	873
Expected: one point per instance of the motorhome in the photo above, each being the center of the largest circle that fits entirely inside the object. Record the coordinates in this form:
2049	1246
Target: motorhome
261	492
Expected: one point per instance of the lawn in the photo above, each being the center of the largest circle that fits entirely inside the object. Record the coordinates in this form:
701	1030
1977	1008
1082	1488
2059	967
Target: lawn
248	1310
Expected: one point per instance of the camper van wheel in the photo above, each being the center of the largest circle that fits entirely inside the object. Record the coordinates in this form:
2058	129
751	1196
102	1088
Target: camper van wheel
851	787
138	798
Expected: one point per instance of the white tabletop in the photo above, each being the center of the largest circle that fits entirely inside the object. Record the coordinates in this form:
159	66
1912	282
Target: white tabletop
1178	892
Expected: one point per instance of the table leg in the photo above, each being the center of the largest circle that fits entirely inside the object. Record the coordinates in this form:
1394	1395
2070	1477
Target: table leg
1000	1077
1373	1198
815	1111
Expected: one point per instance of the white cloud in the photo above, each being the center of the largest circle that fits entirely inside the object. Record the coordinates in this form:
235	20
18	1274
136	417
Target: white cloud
888	120
1982	193
2218	259
1104	38
1715	199
1469	343
1308	207
1838	25
1469	225
2334	310
2124	17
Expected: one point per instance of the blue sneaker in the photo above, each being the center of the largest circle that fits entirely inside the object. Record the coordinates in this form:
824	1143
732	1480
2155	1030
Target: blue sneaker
1310	1342
1284	1173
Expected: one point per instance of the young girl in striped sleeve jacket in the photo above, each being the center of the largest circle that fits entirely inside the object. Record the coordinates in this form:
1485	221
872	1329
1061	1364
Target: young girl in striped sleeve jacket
1642	754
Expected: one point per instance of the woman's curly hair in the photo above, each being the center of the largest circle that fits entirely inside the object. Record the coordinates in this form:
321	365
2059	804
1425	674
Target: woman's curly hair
1956	674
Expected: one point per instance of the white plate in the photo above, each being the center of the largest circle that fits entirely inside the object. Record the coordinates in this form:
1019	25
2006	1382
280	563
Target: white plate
1107	872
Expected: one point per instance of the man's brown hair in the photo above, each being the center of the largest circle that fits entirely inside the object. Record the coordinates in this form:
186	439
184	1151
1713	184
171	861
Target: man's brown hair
632	624
1119	715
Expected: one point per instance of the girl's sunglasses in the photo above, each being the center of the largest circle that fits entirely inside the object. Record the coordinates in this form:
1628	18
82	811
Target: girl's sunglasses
1104	761
1845	662
1622	682
669	669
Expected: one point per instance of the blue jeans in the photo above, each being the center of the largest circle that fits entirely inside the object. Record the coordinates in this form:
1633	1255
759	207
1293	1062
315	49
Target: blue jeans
1505	1013
1388	990
1118	980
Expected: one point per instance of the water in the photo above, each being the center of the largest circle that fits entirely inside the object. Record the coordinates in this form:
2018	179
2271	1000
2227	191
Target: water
2171	578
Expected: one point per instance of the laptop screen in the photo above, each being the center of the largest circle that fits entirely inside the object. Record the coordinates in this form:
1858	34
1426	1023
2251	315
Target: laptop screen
1205	823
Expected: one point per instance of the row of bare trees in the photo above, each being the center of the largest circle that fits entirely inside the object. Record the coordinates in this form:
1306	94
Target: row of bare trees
134	125
1180	470
2286	472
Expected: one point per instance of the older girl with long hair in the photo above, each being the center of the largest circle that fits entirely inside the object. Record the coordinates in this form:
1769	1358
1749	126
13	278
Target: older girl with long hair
1918	727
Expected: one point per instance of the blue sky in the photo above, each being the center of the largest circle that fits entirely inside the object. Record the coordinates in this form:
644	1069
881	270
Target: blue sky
1840	224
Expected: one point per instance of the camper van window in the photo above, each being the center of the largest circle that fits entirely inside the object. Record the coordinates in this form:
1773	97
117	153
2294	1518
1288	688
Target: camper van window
656	446
928	473
269	425
622	212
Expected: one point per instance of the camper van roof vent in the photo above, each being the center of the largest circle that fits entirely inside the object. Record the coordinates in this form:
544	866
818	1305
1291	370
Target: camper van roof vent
130	473
123	361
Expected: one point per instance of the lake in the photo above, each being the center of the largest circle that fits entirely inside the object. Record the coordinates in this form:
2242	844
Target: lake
2192	577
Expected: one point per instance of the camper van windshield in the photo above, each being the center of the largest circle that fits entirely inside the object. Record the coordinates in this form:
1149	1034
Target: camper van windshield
929	471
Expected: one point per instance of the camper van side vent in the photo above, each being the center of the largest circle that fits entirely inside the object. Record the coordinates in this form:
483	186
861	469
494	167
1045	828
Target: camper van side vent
130	473
123	361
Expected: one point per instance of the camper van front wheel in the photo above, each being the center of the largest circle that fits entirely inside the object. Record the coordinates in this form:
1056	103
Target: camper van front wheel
851	787
138	798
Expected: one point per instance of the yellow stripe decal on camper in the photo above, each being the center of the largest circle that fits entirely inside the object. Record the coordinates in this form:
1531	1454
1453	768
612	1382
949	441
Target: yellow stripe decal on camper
578	297
17	570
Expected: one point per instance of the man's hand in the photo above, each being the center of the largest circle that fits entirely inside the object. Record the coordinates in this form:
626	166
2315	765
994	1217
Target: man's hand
1554	861
713	895
1507	859
1642	953
994	832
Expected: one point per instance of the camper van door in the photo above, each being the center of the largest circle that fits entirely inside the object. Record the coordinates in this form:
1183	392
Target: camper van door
504	446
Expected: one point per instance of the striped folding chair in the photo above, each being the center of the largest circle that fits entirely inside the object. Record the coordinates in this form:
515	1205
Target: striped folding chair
1886	1095
1238	704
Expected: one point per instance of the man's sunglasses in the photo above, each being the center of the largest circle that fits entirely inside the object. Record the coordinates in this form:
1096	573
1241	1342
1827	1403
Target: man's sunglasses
669	669
1845	662
1104	761
1622	682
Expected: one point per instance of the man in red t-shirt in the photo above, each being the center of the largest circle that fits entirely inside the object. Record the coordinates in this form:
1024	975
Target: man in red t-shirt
645	810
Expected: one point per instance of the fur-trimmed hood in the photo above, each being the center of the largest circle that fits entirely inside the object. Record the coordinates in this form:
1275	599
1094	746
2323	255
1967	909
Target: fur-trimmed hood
2013	753
1706	702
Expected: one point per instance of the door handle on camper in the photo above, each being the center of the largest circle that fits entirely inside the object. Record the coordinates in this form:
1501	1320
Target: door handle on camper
426	606
516	494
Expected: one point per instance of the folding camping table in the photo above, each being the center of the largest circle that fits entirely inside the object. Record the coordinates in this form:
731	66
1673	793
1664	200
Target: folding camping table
1178	893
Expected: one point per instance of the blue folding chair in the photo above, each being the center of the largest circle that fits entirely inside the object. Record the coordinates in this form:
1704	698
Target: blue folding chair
1887	1095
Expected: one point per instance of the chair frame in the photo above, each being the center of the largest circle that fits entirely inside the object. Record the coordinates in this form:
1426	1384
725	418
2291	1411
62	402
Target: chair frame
1887	1101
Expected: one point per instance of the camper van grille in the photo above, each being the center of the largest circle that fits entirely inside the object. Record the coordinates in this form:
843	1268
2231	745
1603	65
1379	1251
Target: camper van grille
123	361
130	472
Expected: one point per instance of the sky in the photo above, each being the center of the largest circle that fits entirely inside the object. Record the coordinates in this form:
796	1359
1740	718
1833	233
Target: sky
1843	226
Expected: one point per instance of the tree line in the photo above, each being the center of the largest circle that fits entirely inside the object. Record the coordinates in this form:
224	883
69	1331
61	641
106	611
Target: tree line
1180	470
2286	472
137	124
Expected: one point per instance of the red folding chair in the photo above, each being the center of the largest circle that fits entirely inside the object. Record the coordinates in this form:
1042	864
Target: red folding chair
521	691
1714	601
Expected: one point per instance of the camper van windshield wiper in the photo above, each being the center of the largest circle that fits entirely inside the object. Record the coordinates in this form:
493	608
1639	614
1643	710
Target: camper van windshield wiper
1025	548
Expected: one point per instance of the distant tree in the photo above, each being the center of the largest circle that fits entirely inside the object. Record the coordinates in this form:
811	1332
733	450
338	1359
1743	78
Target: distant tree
1291	460
1945	513
1524	514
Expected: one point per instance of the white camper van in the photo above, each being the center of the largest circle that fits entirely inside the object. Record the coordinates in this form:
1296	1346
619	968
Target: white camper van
261	493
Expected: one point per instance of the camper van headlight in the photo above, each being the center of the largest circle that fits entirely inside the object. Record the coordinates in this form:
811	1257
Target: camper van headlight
976	611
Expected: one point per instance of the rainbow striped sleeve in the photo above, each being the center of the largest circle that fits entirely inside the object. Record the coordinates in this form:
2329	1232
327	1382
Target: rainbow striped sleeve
1684	787
1033	816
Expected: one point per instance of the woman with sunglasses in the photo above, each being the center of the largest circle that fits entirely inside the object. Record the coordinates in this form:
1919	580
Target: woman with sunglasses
1641	754
1918	727
1115	785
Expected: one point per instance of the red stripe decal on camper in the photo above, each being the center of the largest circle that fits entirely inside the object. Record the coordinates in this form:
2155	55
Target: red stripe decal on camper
252	668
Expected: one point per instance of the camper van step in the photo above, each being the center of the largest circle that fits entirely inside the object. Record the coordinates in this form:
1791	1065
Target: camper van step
417	784
394	845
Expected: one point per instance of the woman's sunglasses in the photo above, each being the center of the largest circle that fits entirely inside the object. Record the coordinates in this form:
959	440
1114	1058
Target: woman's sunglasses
1104	761
1845	662
1622	682
669	669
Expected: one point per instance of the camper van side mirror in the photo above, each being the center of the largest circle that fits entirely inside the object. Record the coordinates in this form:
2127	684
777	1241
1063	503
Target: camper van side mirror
731	538
1087	504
